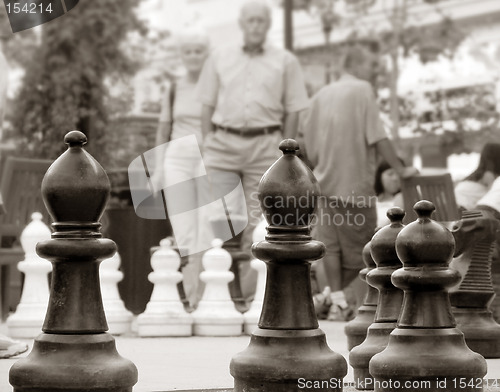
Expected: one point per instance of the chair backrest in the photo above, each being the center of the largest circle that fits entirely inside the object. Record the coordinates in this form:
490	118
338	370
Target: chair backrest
20	187
436	188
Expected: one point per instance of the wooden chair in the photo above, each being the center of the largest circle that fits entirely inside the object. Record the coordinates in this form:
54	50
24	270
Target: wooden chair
20	187
436	188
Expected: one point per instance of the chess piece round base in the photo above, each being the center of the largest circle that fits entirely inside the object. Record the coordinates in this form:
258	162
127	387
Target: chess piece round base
250	324
265	364
357	329
359	358
217	318
119	322
430	360
76	363
481	332
155	325
24	328
229	329
27	322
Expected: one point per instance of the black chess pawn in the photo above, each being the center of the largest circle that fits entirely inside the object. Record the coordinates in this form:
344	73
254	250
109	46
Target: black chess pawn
475	238
426	352
288	350
74	353
390	298
356	329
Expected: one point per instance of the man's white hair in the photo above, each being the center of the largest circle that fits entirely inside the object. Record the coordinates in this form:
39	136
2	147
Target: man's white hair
263	3
193	35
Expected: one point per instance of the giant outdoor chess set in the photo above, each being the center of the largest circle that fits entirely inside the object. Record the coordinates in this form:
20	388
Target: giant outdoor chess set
404	339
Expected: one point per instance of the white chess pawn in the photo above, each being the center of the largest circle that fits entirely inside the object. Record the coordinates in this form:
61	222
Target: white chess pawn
28	319
165	314
253	315
216	314
117	315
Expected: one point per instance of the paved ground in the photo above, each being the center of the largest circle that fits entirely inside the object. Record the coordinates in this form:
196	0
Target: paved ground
168	364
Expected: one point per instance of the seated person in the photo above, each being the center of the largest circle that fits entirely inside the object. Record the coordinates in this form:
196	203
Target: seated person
388	190
490	202
469	191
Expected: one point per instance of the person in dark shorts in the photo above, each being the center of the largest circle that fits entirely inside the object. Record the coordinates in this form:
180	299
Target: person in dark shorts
342	136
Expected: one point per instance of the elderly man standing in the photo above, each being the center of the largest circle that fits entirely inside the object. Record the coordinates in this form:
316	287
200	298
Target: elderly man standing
342	135
252	94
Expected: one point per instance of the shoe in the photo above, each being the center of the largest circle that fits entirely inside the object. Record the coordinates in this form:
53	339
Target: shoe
337	313
334	313
340	310
348	313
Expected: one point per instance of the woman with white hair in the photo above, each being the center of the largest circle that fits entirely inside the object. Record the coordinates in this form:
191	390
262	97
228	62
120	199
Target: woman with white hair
180	163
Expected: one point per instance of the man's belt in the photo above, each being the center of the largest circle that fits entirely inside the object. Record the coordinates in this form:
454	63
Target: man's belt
250	132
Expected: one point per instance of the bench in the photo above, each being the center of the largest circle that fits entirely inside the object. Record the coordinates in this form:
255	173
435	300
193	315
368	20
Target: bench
438	189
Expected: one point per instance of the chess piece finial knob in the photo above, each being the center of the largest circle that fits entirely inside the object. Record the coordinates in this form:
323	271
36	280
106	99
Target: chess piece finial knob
396	215
165	257
33	233
75	139
217	243
289	146
166	243
217	258
425	241
424	209
382	243
36	216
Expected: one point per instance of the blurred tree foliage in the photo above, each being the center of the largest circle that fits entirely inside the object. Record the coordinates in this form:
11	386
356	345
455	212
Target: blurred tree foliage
471	111
18	48
67	75
402	37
